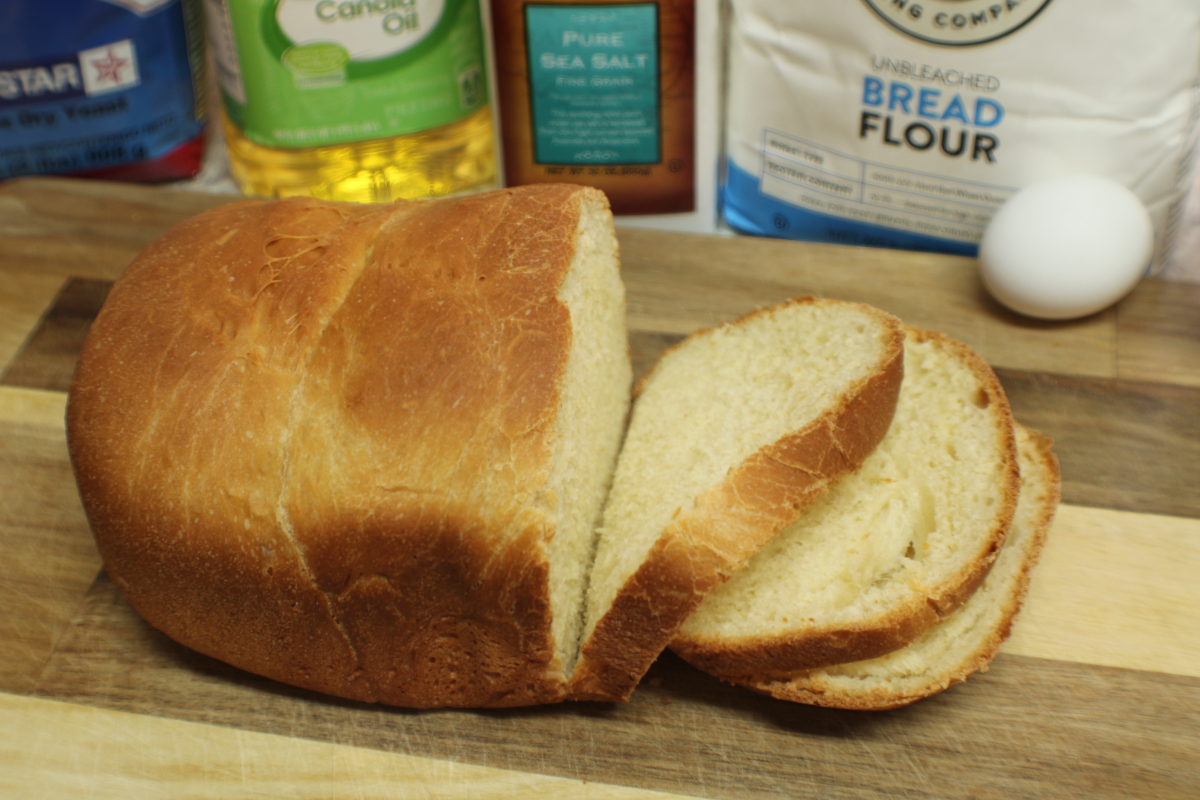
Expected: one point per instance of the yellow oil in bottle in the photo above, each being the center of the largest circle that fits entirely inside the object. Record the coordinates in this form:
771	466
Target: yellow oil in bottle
365	102
452	159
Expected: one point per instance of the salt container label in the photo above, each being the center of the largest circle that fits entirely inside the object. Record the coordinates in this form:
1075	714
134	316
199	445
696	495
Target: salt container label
593	74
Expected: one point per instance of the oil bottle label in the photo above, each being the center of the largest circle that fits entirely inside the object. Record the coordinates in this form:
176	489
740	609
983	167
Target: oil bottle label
593	73
304	73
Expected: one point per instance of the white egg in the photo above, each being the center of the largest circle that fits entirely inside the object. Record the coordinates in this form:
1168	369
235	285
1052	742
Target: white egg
1066	247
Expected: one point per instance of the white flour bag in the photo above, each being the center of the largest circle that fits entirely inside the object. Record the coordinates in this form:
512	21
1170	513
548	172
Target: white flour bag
906	124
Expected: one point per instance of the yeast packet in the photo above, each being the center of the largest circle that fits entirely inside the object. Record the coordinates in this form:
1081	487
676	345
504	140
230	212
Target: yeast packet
102	88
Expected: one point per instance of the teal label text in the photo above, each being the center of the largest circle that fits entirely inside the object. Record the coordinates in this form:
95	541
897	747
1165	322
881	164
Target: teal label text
593	74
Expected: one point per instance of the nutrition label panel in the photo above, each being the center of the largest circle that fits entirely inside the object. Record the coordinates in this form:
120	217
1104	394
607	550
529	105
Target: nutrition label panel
816	178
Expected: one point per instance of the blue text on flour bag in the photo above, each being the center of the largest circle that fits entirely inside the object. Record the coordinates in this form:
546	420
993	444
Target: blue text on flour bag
924	118
106	88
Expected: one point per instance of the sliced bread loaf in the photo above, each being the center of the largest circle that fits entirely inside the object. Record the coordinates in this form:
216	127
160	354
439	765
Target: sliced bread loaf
734	431
362	449
890	550
967	640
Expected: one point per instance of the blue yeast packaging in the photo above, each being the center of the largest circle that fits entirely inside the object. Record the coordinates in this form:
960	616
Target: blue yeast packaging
906	124
109	89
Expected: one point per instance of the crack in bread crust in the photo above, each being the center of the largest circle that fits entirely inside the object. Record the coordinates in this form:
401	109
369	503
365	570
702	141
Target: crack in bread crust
283	518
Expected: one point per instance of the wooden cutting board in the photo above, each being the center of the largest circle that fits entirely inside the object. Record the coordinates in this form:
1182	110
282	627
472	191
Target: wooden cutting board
1097	694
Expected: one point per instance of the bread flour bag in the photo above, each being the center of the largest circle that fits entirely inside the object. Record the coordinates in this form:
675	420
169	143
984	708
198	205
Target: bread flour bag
906	124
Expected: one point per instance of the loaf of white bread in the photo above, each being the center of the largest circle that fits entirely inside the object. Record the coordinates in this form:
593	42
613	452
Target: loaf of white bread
372	450
364	449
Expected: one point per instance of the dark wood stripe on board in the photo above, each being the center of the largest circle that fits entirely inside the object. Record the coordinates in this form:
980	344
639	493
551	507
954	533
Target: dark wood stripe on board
1125	445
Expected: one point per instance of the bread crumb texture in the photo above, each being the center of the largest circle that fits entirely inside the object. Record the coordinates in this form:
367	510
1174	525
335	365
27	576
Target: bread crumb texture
969	637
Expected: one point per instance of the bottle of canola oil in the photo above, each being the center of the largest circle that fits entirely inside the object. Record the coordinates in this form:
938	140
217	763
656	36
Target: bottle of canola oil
361	100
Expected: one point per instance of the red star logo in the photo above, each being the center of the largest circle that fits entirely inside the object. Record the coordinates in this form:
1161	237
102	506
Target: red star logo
109	67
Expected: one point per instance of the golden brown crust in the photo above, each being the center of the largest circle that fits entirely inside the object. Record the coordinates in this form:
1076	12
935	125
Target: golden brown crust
313	440
782	655
733	520
817	689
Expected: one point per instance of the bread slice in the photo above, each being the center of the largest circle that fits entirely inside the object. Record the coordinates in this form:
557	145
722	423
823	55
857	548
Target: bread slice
891	550
734	431
967	640
362	449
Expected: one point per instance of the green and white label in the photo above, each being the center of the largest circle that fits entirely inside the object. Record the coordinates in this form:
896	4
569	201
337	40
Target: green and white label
594	83
368	29
304	73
